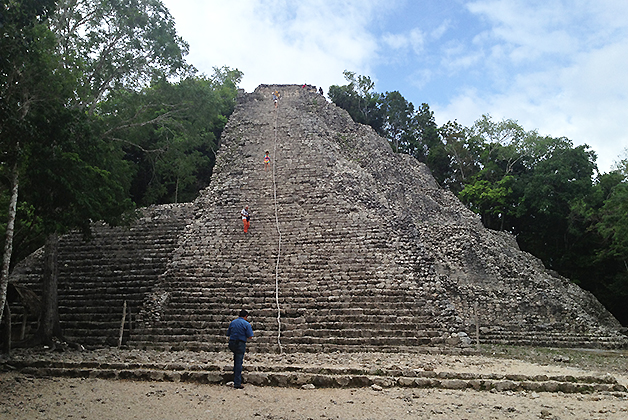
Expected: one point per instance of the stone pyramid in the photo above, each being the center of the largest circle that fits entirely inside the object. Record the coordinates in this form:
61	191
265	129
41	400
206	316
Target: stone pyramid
352	247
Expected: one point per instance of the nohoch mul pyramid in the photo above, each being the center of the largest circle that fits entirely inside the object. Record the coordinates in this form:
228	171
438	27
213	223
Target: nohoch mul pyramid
351	247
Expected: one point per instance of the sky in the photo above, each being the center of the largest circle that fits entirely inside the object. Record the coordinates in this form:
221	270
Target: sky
555	66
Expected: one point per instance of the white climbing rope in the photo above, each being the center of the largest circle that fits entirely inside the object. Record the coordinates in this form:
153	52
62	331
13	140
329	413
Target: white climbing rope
278	240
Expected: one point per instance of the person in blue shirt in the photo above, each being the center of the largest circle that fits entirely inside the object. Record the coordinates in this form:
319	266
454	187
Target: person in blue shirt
239	331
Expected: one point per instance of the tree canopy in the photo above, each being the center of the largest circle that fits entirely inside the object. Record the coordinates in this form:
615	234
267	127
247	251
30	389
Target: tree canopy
99	113
114	44
169	133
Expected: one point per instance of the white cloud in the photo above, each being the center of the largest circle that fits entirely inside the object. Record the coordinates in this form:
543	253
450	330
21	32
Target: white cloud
456	57
553	65
395	41
417	40
413	40
421	78
466	107
549	73
565	102
441	29
279	41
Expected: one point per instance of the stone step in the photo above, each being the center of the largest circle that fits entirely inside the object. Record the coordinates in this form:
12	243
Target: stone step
554	340
333	307
298	332
93	305
338	337
219	321
319	377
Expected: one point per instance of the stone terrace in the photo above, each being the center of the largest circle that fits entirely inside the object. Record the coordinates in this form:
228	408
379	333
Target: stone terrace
323	370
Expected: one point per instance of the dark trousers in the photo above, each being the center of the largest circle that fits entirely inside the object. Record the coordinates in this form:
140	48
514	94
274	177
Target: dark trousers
238	347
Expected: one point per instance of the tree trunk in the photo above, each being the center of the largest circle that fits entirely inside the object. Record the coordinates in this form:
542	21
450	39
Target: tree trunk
50	326
176	191
6	340
8	244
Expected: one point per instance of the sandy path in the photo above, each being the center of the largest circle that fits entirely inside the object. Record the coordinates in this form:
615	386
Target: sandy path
25	397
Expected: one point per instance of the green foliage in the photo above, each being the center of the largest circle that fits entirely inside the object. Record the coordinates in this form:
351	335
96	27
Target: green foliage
31	85
73	156
463	155
57	62
613	221
169	133
27	69
554	206
505	143
613	227
359	100
427	145
114	44
398	126
409	130
70	177
600	265
493	201
29	228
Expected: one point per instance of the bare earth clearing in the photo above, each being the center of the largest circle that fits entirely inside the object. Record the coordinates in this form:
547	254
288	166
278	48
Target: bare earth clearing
24	396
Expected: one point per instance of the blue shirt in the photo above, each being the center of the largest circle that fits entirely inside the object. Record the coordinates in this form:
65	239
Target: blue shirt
240	329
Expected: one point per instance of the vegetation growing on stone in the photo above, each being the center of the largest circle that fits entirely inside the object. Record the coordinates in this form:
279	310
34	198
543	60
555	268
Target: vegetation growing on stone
544	190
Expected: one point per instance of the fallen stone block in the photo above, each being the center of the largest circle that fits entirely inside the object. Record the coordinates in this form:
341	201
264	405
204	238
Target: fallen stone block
406	382
506	386
454	384
259	379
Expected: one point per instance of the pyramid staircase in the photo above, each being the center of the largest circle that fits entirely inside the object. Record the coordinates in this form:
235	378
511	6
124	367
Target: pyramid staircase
97	276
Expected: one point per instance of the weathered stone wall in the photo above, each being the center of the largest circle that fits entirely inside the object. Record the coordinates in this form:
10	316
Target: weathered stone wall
358	245
97	276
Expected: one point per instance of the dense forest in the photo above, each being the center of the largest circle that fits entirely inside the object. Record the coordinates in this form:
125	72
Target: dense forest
100	114
542	189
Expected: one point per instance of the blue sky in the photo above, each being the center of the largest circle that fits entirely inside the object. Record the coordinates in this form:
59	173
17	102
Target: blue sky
556	66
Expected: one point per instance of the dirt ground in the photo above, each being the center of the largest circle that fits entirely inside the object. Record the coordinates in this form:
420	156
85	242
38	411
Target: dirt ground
26	397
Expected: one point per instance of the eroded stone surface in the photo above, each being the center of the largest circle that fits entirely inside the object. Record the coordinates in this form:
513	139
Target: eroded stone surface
358	245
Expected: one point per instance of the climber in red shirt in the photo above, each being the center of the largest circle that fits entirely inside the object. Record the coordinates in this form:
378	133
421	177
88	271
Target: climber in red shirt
246	218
